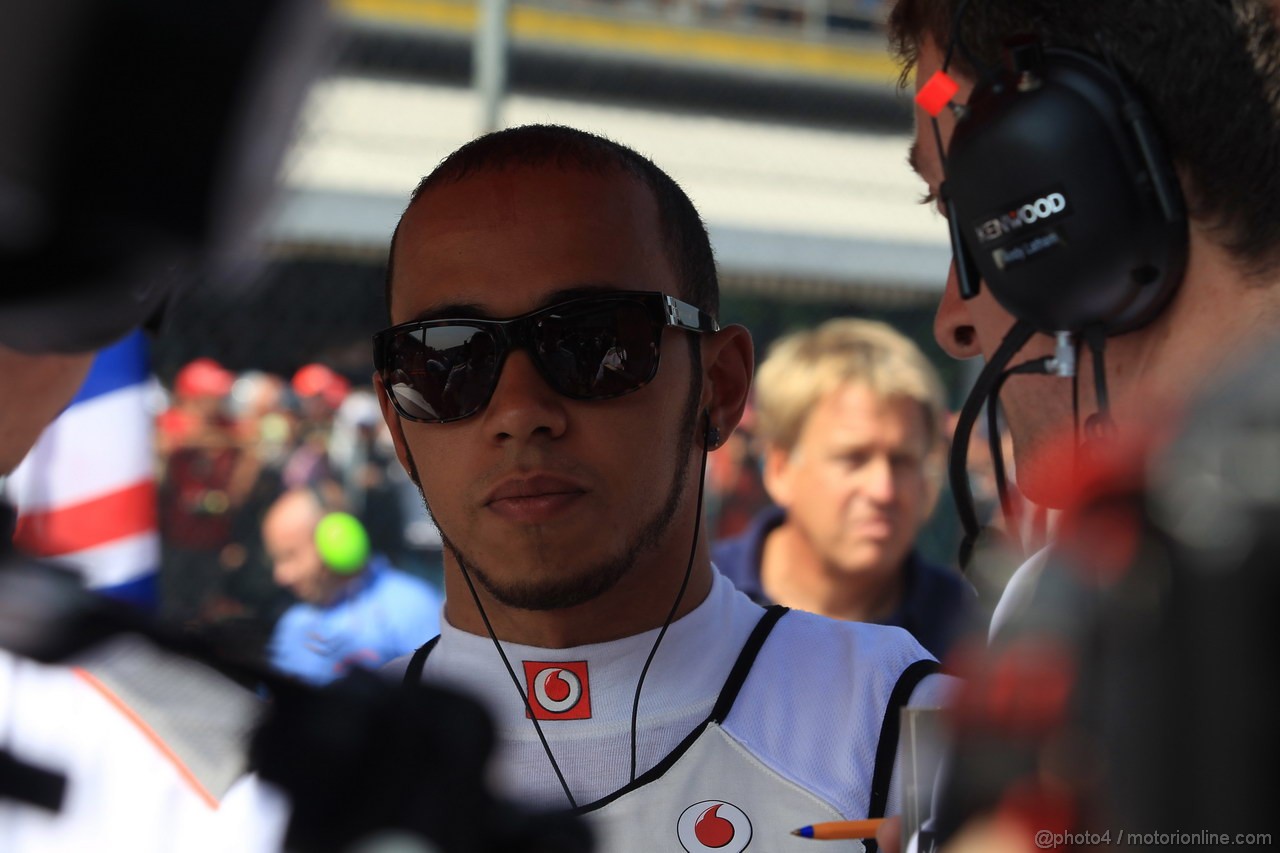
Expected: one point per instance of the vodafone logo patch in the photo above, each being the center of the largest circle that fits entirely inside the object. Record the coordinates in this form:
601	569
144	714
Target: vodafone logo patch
558	690
714	825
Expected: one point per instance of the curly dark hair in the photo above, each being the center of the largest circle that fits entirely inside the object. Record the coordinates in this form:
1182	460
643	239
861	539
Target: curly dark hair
1208	71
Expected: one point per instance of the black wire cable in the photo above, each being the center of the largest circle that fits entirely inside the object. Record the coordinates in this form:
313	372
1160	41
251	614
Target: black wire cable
956	41
984	72
1075	418
1097	342
524	697
688	571
996	447
1098	427
957	467
946	63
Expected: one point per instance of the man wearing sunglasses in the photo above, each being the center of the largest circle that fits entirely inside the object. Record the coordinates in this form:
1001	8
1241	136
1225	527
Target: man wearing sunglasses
553	380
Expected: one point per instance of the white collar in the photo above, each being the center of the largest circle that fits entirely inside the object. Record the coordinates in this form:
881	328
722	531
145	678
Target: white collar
690	667
1017	593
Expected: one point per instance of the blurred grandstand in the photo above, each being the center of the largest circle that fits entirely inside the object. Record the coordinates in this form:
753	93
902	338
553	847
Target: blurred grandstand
780	118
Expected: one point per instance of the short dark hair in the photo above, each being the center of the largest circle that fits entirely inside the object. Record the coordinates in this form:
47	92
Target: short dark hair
1207	70
683	231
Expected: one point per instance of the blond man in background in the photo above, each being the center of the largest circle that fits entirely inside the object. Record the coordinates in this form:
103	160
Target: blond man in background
852	416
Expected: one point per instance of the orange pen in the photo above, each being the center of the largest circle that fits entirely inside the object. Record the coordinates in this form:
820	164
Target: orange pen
840	829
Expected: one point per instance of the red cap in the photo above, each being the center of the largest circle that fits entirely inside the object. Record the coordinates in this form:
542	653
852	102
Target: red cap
203	377
316	380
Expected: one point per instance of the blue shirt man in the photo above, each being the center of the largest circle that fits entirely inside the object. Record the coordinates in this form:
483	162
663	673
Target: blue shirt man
361	614
934	601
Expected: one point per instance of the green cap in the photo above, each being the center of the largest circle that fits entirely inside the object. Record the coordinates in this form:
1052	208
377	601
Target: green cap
342	543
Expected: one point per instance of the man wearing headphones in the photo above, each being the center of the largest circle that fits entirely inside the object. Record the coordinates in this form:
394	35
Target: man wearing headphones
1102	183
627	678
1109	175
353	608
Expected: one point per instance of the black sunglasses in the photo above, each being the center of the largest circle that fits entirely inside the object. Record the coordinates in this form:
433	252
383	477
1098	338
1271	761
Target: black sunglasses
591	348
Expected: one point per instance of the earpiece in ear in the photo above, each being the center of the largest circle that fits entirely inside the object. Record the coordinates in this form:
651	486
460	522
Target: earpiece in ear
711	433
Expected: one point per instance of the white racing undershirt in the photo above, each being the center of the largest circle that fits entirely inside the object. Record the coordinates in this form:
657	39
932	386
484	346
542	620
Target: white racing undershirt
811	709
594	754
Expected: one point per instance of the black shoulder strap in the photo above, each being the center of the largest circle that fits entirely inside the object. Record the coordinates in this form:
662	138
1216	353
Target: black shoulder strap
887	749
747	657
413	674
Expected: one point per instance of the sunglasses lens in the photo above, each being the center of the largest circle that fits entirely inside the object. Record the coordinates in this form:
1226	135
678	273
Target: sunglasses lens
597	351
589	349
440	373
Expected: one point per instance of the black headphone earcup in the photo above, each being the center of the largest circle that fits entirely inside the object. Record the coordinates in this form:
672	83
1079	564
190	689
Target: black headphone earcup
1063	199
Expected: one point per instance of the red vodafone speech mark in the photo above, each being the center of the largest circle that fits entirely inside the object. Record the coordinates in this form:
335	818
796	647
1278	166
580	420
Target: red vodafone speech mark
558	690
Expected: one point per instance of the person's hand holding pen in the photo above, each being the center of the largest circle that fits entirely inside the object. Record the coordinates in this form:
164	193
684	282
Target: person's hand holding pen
889	835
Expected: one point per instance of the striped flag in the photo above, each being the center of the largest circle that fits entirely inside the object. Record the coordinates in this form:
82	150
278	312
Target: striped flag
86	493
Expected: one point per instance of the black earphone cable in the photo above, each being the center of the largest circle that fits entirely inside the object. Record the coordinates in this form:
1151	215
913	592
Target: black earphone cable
1075	418
957	468
1099	426
955	40
524	697
1010	512
688	571
1096	340
983	71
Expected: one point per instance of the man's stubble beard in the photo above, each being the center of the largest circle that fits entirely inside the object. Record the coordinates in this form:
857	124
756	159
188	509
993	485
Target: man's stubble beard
599	579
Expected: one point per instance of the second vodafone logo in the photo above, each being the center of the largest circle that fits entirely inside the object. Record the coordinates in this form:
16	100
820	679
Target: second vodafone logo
713	826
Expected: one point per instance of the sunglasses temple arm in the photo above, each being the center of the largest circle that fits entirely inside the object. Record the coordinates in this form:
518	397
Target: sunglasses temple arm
686	316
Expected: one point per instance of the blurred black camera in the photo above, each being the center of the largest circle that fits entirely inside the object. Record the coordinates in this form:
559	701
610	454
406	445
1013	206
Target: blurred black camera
364	758
139	142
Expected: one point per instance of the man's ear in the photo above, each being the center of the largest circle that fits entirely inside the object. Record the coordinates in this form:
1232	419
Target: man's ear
728	362
392	419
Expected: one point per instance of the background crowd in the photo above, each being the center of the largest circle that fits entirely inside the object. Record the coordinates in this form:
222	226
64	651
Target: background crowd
228	446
